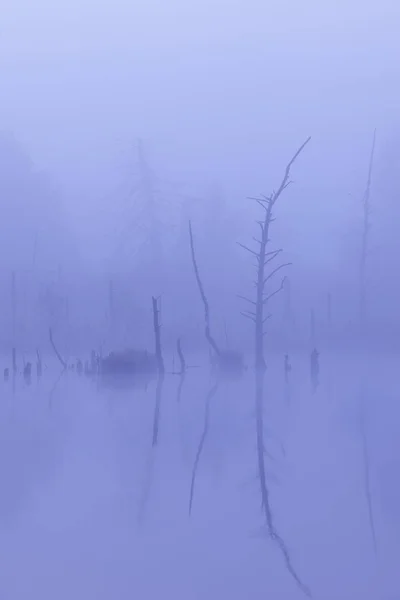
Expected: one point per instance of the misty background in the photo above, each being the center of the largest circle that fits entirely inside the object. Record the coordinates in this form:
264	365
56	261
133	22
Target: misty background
119	123
220	93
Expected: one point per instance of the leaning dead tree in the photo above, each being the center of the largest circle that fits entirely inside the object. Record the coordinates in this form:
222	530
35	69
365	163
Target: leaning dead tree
266	269
365	238
14	310
229	362
56	352
207	329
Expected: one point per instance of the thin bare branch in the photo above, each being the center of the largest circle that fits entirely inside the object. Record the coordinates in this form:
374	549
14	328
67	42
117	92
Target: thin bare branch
248	249
248	316
247	300
275	271
285	179
271	256
275	292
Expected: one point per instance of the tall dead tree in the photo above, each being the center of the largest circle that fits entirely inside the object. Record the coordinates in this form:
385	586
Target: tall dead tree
56	352
207	329
14	321
264	258
157	336
365	239
160	367
265	271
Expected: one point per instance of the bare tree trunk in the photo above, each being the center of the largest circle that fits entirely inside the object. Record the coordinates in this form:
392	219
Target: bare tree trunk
161	369
156	419
157	336
14	320
365	239
208	335
263	259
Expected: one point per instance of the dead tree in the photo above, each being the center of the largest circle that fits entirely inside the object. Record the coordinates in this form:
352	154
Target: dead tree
14	319
263	259
365	238
160	367
207	330
157	407
56	352
157	337
265	272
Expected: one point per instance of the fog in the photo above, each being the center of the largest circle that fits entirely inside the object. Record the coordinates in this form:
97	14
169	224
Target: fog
199	299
